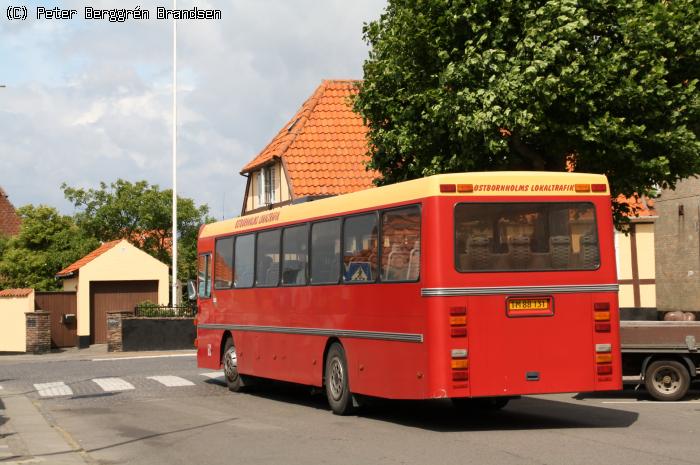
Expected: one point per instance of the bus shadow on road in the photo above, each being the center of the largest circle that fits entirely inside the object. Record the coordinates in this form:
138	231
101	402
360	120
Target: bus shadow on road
526	413
440	415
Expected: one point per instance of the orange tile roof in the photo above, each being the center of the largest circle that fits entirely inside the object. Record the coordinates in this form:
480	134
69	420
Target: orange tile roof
23	292
10	221
74	267
324	146
639	206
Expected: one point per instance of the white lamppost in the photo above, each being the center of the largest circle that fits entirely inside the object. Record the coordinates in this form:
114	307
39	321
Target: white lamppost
174	299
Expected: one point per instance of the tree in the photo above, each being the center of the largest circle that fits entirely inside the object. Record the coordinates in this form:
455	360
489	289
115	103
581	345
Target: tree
47	243
612	87
142	214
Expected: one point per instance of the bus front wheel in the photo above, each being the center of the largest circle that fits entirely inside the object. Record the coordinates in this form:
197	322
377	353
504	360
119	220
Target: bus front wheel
337	383
230	363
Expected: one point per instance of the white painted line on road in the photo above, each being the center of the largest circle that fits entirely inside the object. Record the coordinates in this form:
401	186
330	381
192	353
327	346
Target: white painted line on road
113	384
0	388
137	357
55	389
172	381
213	374
650	402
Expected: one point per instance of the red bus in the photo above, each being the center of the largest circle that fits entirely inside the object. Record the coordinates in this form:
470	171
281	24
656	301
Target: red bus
478	287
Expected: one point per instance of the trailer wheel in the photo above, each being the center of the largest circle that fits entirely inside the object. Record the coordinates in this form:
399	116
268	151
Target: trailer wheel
667	380
337	384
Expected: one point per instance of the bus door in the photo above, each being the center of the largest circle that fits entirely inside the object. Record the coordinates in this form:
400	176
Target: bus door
530	329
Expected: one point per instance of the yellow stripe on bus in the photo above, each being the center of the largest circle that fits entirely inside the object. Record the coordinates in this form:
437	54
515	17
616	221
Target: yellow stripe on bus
495	183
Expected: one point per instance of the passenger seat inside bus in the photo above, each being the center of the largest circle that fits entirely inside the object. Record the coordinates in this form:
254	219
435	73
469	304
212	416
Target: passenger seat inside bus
478	253
560	250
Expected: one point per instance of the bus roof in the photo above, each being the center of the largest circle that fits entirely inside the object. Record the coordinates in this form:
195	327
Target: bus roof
493	183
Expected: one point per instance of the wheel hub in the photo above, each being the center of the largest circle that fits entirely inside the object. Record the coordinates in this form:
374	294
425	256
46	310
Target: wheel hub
231	364
336	379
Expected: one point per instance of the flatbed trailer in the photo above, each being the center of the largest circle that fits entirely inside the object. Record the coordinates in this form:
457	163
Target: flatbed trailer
664	355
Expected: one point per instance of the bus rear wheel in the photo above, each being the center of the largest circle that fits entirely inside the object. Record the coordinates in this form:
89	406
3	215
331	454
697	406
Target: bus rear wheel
667	380
337	383
230	363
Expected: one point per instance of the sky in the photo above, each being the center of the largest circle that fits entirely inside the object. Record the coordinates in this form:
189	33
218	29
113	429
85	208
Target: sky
89	101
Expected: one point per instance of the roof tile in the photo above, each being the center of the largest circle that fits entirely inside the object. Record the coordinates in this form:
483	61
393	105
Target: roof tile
23	292
72	268
327	143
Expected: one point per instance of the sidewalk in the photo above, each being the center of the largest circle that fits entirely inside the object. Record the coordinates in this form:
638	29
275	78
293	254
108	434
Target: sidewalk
27	437
95	351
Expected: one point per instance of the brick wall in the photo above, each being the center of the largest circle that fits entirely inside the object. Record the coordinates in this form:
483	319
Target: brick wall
677	248
38	332
114	330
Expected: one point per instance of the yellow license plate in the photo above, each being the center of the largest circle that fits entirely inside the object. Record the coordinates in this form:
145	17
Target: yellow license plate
529	306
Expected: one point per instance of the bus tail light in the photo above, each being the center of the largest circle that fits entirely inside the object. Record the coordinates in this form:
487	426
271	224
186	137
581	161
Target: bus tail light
194	321
460	375
602	326
196	343
458	321
599	188
605	369
458	332
601	315
460	364
469	188
583	187
603	358
448	188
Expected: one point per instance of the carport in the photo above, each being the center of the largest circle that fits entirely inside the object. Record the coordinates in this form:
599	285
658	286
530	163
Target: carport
114	277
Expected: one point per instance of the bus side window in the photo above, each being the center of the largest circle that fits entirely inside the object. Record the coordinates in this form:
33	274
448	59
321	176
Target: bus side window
204	276
223	263
295	241
401	244
325	252
267	266
245	261
360	248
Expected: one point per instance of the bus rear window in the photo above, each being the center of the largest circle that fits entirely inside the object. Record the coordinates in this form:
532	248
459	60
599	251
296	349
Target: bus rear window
526	237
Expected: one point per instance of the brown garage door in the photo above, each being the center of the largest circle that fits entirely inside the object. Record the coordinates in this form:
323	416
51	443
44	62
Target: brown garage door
109	296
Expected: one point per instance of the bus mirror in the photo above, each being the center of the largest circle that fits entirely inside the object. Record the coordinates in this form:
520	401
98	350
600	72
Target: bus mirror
191	290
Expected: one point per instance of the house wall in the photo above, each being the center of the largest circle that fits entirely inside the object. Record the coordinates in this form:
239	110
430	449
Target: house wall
636	271
70	285
124	262
13	329
677	246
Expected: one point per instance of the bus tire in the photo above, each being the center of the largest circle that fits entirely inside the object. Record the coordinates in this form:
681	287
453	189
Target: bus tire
667	380
337	382
234	381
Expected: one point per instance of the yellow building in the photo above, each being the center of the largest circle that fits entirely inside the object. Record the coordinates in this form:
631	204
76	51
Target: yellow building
14	303
114	277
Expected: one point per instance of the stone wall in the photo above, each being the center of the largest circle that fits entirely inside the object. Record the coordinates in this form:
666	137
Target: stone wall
38	332
114	330
677	248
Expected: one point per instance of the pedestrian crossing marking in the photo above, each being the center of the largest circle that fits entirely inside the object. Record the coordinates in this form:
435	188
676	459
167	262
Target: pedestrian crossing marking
55	389
213	374
172	381
113	384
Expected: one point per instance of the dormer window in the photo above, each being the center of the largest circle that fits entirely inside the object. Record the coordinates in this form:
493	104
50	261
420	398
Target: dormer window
266	186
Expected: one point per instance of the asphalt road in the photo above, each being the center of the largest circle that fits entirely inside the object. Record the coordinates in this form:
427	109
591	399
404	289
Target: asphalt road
189	418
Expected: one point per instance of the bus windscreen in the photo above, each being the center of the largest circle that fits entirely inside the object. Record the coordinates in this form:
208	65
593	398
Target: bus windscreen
526	237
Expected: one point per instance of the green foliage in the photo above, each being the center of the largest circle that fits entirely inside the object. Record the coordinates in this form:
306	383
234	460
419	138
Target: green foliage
47	243
142	214
456	85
